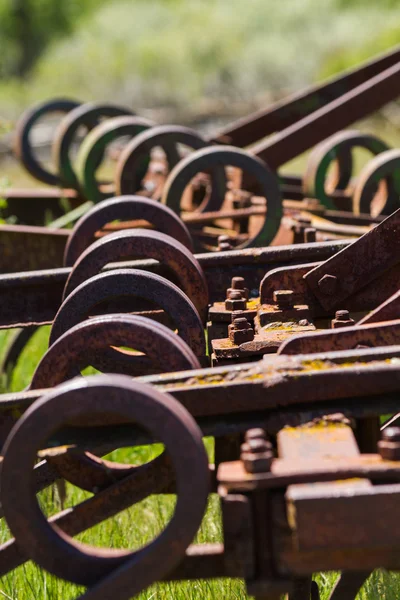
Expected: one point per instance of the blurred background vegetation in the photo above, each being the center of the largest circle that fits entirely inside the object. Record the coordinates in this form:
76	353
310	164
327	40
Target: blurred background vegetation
187	56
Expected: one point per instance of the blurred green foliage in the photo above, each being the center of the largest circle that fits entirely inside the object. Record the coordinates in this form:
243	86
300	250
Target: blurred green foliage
147	53
27	27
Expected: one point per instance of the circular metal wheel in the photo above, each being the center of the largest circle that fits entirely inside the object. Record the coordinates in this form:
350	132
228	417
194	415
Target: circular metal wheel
79	347
143	244
88	115
137	153
93	147
377	190
85	343
132	283
22	145
214	156
123	208
337	148
92	401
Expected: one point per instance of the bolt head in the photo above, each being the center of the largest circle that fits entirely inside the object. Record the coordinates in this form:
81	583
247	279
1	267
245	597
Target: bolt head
391	434
255	434
310	234
237	283
236	303
224	246
241	323
328	284
342	319
284	298
240	336
342	315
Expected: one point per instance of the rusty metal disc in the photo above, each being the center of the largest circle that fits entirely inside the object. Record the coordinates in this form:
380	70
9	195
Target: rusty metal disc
214	156
143	244
88	115
77	348
93	147
124	208
337	148
86	343
86	401
369	196
22	145
132	283
137	152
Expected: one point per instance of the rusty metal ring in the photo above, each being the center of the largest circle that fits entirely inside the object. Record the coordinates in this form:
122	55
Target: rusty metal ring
88	115
22	145
336	148
129	167
93	147
143	244
132	283
213	156
78	345
385	166
123	208
86	401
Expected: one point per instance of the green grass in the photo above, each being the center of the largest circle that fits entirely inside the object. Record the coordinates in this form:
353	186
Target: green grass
138	525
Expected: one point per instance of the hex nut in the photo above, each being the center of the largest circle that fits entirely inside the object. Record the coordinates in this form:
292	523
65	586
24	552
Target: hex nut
342	319
235	301
389	450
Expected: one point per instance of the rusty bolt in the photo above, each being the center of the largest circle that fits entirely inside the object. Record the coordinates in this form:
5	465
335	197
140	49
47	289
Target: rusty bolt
284	298
310	234
237	314
342	319
327	284
224	242
304	323
389	446
255	434
256	453
238	285
303	220
240	331
235	301
240	323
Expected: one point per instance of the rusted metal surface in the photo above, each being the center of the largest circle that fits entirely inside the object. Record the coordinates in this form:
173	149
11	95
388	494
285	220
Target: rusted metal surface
353	268
336	148
370	335
23	248
208	158
340	113
80	345
131	283
143	244
383	169
137	403
124	208
34	297
300	468
289	111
